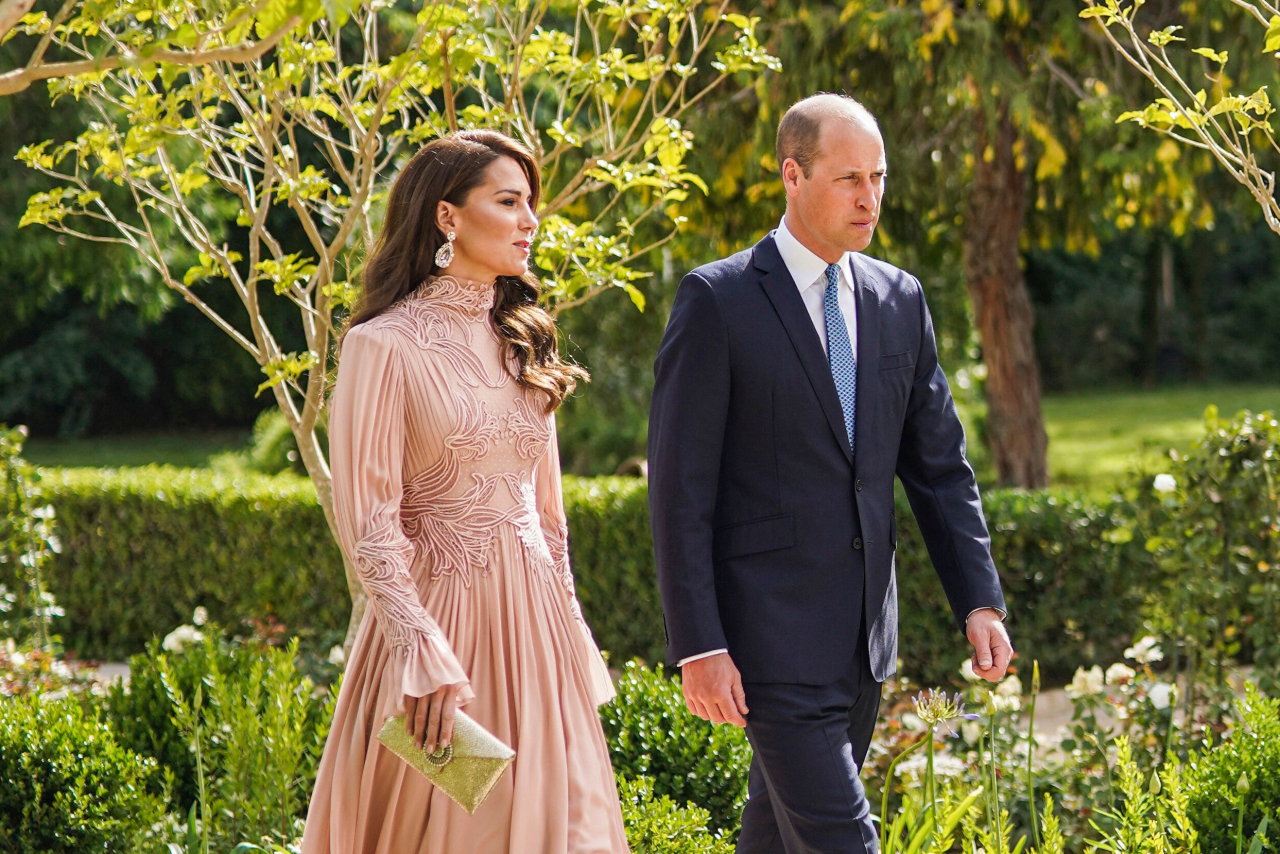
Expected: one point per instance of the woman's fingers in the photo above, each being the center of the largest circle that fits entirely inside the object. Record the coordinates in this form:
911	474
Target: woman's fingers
420	720
433	721
410	708
446	715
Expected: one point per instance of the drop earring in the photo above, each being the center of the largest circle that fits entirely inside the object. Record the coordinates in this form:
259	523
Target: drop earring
444	255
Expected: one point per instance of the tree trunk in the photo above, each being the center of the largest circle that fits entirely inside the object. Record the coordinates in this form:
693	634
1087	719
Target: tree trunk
1002	308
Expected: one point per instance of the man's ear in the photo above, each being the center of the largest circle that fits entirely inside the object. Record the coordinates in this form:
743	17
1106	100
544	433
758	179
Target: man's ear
790	174
446	217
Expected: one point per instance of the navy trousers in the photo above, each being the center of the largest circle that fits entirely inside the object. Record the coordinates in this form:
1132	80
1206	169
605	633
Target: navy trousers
809	743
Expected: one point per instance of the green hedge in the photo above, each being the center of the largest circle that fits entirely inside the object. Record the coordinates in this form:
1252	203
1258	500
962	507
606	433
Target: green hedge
143	547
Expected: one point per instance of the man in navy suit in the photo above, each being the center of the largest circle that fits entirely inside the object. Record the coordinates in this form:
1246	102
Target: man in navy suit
795	379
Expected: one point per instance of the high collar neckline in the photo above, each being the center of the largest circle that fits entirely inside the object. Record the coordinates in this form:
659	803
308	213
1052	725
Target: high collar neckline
468	297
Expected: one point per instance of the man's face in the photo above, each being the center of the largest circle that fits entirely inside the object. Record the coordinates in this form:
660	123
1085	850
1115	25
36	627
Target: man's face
838	204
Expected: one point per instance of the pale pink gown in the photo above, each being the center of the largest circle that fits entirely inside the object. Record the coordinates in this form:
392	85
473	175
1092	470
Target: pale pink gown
446	481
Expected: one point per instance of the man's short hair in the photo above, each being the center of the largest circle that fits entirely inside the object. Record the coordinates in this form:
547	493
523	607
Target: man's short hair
798	131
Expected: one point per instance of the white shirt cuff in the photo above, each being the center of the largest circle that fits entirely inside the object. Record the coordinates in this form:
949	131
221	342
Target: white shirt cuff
682	662
999	611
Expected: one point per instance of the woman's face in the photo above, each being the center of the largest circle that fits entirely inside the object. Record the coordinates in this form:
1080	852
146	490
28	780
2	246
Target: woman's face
494	227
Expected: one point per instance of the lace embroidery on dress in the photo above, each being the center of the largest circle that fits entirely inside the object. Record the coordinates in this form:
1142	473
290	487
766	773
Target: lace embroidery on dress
522	427
429	317
547	554
381	559
456	532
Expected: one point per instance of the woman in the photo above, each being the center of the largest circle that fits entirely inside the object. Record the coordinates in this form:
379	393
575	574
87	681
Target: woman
446	481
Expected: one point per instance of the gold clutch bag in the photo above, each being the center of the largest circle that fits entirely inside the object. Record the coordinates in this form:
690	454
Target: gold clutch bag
466	770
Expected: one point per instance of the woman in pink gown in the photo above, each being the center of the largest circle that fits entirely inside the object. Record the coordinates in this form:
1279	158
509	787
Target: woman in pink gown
446	480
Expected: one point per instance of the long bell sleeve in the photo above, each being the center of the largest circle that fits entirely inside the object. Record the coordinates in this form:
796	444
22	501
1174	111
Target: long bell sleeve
366	449
555	530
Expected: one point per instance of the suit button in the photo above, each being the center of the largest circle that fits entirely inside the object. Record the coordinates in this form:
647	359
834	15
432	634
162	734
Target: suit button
857	542
858	484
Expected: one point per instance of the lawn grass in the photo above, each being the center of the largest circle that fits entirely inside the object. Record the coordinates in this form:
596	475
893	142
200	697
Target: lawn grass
188	450
1095	438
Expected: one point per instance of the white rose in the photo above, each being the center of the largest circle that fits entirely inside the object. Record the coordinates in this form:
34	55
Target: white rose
971	731
966	671
17	659
1086	682
337	656
1162	694
1145	651
1010	687
180	637
1119	672
200	617
1164	483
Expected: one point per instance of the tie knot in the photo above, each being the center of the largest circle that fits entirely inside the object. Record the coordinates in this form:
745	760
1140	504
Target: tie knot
833	275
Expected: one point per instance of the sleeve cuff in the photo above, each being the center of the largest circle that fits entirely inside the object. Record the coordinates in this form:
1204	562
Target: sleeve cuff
424	667
1001	611
682	662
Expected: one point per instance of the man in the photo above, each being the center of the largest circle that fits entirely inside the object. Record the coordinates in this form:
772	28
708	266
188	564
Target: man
794	380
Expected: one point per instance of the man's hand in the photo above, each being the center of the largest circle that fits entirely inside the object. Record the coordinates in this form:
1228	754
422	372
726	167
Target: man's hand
713	690
991	647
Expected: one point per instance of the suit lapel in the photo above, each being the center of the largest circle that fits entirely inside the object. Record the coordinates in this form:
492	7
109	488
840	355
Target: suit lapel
782	292
864	281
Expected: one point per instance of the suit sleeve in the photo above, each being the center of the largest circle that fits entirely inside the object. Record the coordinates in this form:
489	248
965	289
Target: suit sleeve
686	434
941	486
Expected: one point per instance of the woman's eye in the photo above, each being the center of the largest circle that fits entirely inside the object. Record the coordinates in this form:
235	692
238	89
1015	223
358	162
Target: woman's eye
509	202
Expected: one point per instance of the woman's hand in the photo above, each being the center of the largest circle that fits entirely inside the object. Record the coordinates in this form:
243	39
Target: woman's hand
429	719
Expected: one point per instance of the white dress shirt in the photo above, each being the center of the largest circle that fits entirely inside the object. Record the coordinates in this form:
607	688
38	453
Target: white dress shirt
809	272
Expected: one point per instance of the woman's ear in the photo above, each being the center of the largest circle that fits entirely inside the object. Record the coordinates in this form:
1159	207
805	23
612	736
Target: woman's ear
446	217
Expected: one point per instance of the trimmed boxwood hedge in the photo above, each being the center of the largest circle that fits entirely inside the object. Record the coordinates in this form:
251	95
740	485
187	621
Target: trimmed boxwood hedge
143	547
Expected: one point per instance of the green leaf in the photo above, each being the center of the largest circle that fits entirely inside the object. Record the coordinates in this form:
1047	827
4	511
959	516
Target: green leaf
1273	35
1220	58
637	296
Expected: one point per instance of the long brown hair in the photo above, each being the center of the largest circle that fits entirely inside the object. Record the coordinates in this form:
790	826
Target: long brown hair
449	168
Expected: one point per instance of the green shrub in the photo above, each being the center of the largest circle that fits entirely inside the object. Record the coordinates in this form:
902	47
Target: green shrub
68	786
612	554
1214	532
265	725
143	547
272	448
1253	750
652	734
1073	589
658	825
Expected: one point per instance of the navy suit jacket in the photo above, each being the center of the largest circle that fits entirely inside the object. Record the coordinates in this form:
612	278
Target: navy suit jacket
772	539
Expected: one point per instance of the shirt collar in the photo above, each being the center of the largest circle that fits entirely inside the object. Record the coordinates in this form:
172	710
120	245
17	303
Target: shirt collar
806	268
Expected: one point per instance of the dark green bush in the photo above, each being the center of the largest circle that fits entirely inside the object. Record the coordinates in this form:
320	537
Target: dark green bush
66	785
142	717
652	734
1074	595
143	547
1214	534
612	554
658	825
1253	750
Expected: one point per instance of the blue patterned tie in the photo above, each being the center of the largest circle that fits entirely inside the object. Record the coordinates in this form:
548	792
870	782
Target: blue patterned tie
844	367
